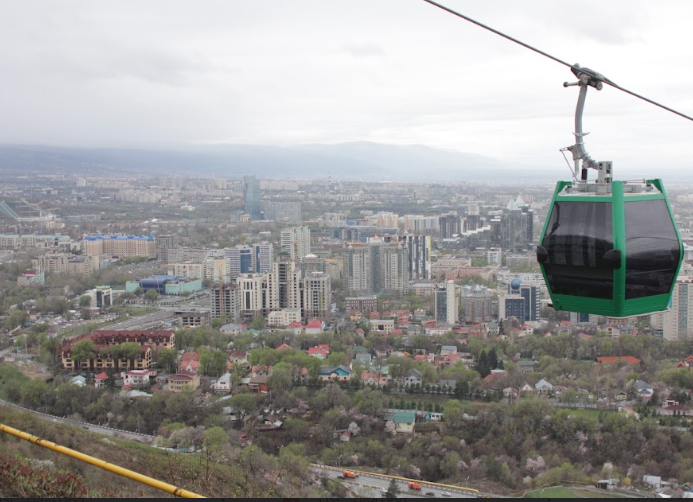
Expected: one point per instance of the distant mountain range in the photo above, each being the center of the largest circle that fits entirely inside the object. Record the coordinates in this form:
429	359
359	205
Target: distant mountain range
356	161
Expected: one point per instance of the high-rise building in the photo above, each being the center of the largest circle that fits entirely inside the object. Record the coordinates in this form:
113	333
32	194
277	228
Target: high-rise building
289	212
521	302
478	304
317	296
284	284
472	220
446	303
531	296
449	225
677	322
419	250
163	244
226	301
517	226
312	263
511	305
257	258
296	242
254	290
252	197
583	318
376	267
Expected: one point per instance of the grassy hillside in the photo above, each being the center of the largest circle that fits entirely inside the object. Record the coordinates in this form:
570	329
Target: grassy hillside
233	473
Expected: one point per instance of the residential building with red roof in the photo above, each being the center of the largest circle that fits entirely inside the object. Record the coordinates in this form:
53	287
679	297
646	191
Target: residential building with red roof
105	340
100	380
630	360
318	352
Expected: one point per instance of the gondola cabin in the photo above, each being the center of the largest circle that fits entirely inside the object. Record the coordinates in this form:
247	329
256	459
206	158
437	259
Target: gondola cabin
614	254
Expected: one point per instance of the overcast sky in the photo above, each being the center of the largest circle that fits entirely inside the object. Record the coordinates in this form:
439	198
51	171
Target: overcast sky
174	73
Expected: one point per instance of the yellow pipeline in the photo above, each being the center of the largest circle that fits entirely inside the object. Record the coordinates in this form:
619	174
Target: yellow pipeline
140	478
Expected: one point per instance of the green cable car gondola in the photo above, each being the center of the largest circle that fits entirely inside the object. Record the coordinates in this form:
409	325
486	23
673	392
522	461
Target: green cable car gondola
608	247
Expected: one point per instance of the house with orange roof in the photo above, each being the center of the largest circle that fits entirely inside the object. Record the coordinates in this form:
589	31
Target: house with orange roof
191	366
318	352
373	378
296	328
283	346
314	327
183	381
100	380
629	360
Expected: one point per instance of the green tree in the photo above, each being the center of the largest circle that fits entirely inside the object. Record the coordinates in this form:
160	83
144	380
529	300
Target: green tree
166	358
392	490
216	439
151	295
17	317
258	323
245	403
126	350
85	301
82	351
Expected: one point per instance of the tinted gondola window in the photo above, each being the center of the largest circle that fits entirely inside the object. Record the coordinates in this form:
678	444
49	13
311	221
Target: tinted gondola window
577	237
652	249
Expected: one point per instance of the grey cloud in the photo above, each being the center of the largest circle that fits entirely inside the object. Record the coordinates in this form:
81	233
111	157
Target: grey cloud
363	50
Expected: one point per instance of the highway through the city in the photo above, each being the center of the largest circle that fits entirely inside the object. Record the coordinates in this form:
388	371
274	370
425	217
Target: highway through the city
374	485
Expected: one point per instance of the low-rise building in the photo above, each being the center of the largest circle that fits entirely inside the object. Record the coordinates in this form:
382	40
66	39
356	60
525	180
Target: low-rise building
339	373
181	382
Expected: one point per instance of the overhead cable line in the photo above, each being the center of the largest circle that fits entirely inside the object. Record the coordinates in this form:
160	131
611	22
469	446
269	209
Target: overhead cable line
557	60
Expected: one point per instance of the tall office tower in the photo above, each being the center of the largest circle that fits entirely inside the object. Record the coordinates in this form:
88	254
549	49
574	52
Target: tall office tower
163	244
446	303
517	226
252	197
289	212
317	296
677	322
511	305
285	284
254	290
376	267
225	301
419	250
296	242
478	304
531	297
449	224
472	221
249	259
239	260
264	257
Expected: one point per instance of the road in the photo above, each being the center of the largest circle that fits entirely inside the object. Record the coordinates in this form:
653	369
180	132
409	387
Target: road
145	321
131	436
374	486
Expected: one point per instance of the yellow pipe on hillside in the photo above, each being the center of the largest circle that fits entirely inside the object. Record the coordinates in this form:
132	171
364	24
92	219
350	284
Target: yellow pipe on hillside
140	478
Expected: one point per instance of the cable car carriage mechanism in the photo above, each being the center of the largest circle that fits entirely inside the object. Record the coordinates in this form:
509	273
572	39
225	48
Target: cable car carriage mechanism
608	247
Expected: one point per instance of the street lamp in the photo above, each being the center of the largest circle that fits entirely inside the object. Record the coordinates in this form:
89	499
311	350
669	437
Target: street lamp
339	461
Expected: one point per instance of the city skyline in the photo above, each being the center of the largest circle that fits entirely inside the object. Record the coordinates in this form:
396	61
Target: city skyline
313	72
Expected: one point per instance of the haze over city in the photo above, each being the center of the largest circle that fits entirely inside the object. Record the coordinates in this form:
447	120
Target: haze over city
316	249
173	75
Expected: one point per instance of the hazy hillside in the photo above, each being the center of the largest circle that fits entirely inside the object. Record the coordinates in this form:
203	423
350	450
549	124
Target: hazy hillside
361	160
